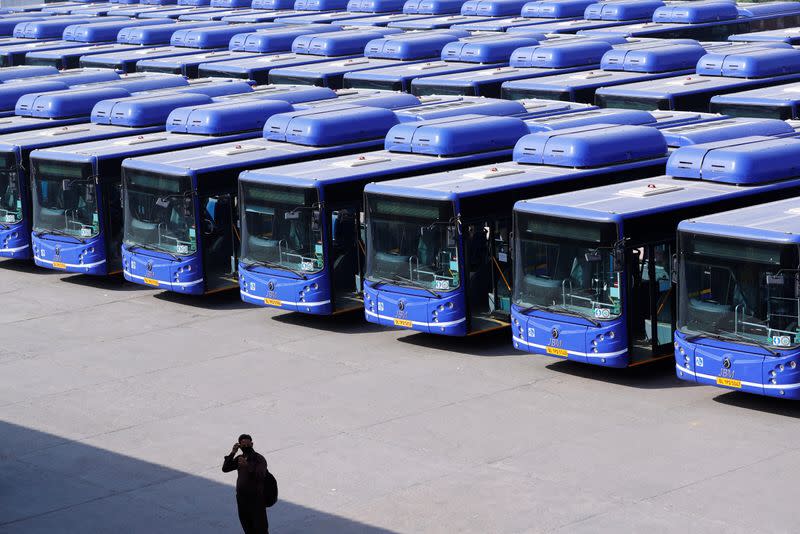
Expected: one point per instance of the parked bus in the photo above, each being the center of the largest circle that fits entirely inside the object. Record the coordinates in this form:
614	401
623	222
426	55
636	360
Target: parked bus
331	279
12	90
528	62
394	50
593	268
305	50
77	210
717	73
170	258
603	15
784	35
474	11
469	54
639	60
542	12
15	150
737	291
708	20
473	206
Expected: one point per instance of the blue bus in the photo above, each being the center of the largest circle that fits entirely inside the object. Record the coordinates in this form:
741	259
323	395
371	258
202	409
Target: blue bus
593	268
532	14
331	278
392	50
306	49
737	293
12	90
151	256
7	24
602	15
216	7
465	55
708	20
275	39
471	11
528	62
432	7
70	106
91	213
356	9
717	73
437	245
53	27
477	203
15	150
643	59
775	102
266	11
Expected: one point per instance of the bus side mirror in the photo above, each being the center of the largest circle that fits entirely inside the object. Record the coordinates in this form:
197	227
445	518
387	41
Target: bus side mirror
674	272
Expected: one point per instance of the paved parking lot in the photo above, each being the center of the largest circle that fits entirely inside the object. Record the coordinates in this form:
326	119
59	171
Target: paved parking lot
117	404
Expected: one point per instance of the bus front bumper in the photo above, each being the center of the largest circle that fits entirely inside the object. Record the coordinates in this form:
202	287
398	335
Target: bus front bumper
15	242
725	365
547	334
183	276
84	258
269	289
444	316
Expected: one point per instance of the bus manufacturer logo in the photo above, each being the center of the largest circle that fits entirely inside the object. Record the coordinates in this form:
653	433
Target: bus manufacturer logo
57	252
149	268
401	305
271	285
554	333
726	363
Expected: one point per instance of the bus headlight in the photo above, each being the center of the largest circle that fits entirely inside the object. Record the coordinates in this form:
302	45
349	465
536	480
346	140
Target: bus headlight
611	335
792	365
682	352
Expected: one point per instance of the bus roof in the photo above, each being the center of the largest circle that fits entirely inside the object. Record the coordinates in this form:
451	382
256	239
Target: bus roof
379	20
98	32
777	222
432	7
622	10
275	39
555	9
783	35
374	6
53	28
710	168
158	33
727	128
340	43
214	36
541	157
786	94
696	12
412	45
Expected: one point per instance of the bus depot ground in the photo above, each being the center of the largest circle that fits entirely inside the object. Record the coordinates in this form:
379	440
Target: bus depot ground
117	404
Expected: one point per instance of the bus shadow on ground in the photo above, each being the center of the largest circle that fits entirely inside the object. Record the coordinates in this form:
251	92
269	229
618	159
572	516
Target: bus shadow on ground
25	266
656	375
758	403
490	344
52	484
223	300
351	322
114	282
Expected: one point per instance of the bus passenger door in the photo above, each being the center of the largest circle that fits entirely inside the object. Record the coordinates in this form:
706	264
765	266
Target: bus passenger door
500	299
651	300
219	241
345	259
480	275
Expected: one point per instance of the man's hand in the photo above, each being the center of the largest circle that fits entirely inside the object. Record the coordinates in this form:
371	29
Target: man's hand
235	448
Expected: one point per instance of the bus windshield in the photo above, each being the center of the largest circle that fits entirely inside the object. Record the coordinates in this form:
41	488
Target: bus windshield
740	290
281	227
65	199
10	201
159	212
412	242
567	265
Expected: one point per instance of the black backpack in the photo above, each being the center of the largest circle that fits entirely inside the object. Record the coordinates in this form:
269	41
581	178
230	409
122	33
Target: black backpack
270	490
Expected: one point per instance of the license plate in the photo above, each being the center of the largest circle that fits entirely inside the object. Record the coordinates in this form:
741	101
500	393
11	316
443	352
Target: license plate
729	382
151	282
402	322
272	302
556	352
59	265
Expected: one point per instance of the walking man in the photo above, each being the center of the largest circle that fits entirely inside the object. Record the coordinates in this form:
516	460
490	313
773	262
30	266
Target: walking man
252	470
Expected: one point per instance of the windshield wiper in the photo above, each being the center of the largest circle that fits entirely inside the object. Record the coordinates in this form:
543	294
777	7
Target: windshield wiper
561	309
248	264
40	233
155	249
726	336
404	283
412	283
